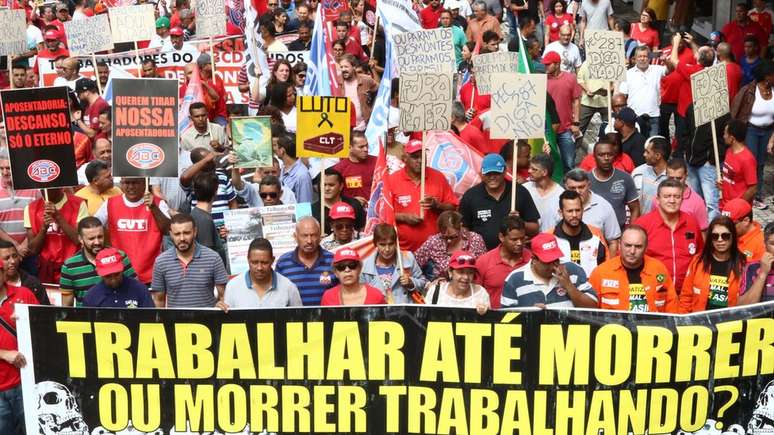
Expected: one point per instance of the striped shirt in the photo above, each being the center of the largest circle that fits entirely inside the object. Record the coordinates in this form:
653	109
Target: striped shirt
12	205
79	275
311	281
226	194
191	285
522	290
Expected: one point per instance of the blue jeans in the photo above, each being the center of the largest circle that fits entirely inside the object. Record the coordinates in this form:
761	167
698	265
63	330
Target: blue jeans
11	411
649	127
757	139
566	144
702	181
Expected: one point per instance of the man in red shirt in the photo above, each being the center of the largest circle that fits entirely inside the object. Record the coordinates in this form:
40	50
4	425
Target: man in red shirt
431	15
472	100
11	360
403	193
563	87
216	92
734	72
87	92
52	48
469	133
740	179
761	14
495	266
674	236
357	169
351	44
670	86
735	32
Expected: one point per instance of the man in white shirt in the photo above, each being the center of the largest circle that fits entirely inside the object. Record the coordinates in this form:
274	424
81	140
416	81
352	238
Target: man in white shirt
71	72
643	85
544	191
567	50
595	15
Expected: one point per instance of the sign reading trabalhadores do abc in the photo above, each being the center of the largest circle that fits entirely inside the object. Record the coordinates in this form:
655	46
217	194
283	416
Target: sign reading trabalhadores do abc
605	55
145	127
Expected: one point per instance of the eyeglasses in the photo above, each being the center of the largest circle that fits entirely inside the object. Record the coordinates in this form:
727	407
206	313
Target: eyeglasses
343	226
721	236
351	265
272	195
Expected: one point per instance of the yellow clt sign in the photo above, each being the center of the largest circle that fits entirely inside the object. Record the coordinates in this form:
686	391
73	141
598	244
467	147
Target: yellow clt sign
323	126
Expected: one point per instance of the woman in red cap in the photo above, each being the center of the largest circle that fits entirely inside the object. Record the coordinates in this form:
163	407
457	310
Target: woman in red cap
350	291
459	290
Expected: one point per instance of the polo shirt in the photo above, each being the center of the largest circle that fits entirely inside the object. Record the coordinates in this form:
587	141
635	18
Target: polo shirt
694	205
241	294
9	375
79	275
311	281
191	285
492	271
94	200
191	138
644	89
647	180
522	290
297	178
673	248
483	214
12	205
599	213
130	294
357	176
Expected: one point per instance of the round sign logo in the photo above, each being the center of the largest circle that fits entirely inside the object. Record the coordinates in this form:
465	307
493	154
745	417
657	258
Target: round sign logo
145	156
43	171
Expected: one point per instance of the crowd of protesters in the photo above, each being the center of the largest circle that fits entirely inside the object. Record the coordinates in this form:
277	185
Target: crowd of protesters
640	224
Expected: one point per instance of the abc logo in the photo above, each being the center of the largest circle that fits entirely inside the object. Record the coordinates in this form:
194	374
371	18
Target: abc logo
145	156
43	171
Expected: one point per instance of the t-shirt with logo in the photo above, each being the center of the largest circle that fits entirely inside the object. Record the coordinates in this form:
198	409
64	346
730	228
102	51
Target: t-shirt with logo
385	276
619	189
637	300
718	285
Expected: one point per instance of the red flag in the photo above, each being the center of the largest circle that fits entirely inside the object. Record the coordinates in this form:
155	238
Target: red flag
194	91
380	204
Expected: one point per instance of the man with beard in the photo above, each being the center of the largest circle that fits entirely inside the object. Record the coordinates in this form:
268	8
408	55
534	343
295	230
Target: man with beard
86	89
185	276
581	244
100	186
357	88
494	266
115	290
17	277
79	272
309	265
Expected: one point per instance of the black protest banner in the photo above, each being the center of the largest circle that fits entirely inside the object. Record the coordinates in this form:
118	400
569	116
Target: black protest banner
145	127
40	140
397	369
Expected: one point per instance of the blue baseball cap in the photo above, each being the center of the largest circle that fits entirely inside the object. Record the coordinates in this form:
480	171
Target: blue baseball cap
493	163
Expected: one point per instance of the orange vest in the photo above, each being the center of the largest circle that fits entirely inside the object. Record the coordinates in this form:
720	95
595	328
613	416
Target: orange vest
611	282
695	291
751	244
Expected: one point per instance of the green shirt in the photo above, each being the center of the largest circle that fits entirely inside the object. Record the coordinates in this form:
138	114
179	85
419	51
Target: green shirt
459	40
79	275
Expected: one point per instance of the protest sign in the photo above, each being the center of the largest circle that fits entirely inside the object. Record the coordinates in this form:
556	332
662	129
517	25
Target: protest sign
425	51
132	23
396	369
323	126
293	57
605	55
40	141
145	128
518	106
490	63
210	18
251	137
425	101
276	224
13	32
88	35
710	94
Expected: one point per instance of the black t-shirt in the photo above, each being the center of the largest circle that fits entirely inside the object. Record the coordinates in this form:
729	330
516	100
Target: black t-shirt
718	285
634	146
360	215
483	214
638	302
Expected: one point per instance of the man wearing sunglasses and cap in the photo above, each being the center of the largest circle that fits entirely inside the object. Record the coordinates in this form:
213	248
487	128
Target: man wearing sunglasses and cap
342	217
544	281
350	291
116	290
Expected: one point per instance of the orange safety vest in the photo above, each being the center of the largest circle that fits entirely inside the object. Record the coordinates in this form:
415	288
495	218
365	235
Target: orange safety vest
611	282
695	291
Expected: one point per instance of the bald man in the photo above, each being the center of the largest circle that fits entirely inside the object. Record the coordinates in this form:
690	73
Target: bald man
733	70
71	72
309	265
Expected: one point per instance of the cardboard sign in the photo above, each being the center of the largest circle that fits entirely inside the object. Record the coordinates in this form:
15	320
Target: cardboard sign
491	63
425	101
132	23
40	141
210	18
710	94
13	32
425	51
88	35
251	136
323	126
145	128
605	55
518	106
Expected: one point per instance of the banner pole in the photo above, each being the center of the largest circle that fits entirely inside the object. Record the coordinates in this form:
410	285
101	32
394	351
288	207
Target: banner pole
96	72
513	176
45	193
137	56
422	178
717	157
609	105
212	58
322	196
373	36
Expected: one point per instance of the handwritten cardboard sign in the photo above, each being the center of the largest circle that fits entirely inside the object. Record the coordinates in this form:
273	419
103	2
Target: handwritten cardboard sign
132	23
88	35
210	18
491	63
605	55
518	106
710	94
425	51
13	39
426	101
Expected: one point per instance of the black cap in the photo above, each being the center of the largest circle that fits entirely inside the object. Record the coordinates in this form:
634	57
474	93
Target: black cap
83	84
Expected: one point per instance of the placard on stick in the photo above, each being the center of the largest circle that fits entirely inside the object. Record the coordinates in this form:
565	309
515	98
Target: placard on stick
132	23
252	141
491	63
605	55
40	142
426	101
518	106
425	51
710	94
89	35
210	18
13	39
323	126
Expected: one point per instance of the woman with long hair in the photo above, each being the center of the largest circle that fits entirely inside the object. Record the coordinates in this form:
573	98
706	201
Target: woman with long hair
358	19
556	19
283	96
714	274
645	31
282	72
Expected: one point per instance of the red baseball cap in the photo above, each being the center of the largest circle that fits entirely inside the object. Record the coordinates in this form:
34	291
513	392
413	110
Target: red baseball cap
51	34
545	248
462	260
342	210
109	261
345	254
737	209
176	31
551	57
413	146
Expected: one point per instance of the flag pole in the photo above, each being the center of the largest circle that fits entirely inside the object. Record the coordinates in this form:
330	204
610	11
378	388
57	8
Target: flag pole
717	156
10	70
422	178
322	196
513	176
212	58
373	36
96	72
609	104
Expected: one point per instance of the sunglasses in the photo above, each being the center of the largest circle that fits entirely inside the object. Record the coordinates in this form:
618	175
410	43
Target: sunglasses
721	236
351	265
466	261
272	195
342	226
